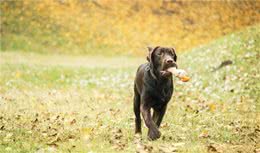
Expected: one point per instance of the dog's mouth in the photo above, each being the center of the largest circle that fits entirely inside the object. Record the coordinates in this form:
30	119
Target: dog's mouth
165	72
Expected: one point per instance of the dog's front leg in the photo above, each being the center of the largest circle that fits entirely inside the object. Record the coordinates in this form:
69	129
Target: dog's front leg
158	115
153	132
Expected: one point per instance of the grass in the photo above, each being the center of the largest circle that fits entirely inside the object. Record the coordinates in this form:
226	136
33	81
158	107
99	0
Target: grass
61	103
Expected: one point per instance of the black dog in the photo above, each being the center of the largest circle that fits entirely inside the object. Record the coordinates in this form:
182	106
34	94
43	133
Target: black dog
153	88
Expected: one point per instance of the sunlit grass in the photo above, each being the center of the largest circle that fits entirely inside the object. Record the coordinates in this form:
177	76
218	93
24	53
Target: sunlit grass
84	104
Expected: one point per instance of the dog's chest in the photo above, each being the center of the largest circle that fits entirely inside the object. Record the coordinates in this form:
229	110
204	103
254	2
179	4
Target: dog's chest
161	92
165	93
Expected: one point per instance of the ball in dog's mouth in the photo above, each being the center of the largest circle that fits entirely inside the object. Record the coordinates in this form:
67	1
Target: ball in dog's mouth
166	72
179	73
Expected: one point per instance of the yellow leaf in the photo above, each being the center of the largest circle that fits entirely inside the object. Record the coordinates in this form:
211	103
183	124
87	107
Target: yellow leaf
212	107
86	133
17	74
204	134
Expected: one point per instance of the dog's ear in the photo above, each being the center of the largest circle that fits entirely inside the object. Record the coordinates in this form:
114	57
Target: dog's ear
150	49
150	55
174	53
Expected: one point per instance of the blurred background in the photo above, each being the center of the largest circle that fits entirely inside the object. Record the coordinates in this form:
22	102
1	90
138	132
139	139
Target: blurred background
113	27
67	69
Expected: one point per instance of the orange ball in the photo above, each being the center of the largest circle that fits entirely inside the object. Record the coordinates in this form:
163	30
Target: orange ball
185	79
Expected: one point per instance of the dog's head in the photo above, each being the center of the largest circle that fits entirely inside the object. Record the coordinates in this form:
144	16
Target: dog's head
162	58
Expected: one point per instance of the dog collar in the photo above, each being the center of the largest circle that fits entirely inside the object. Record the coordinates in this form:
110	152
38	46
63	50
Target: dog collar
151	72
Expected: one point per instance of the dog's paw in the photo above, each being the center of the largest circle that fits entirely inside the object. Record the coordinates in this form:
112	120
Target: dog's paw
154	134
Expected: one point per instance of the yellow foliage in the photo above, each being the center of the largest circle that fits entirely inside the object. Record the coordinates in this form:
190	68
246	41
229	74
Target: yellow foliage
130	25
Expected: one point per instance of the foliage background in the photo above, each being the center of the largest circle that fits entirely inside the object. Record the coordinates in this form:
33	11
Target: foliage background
51	101
113	27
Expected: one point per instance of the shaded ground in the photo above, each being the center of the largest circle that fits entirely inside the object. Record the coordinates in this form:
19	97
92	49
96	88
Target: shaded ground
58	103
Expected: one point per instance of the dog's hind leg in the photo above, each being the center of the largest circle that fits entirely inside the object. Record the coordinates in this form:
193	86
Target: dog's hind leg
137	101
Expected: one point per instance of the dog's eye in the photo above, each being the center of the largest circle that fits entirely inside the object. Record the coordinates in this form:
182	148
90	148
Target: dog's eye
160	53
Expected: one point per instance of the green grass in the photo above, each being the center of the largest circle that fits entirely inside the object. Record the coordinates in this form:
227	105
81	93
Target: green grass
64	103
52	44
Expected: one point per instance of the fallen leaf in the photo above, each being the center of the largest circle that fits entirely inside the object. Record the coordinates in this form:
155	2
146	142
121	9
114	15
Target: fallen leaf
204	134
168	149
86	133
178	144
211	148
73	121
212	107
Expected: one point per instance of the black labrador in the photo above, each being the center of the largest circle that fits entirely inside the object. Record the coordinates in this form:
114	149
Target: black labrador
153	89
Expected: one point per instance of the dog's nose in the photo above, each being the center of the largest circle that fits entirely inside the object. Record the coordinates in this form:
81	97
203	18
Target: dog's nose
169	61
